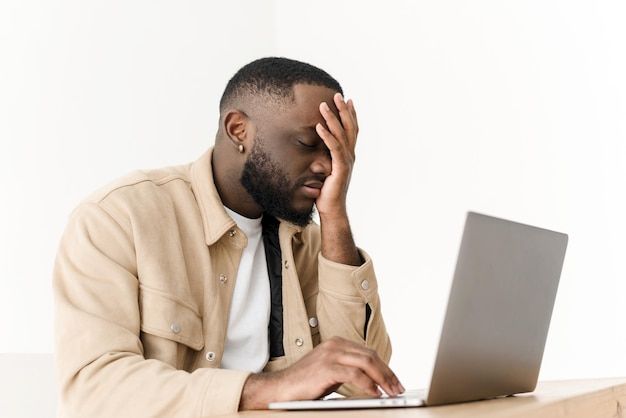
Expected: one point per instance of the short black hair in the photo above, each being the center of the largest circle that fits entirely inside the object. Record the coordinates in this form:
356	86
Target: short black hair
274	76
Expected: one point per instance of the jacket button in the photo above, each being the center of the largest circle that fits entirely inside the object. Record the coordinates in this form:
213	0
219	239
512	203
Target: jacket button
232	233
365	285
210	355
313	322
286	264
299	342
175	328
223	279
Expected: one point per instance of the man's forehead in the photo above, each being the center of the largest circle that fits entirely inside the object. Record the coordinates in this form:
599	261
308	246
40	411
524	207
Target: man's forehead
304	111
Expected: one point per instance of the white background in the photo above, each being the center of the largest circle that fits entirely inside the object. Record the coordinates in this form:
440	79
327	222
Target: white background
515	109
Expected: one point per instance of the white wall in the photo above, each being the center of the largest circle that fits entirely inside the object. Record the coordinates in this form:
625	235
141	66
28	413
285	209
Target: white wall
90	90
516	109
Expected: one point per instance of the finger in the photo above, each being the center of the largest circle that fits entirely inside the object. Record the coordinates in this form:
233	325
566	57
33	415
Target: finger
386	370
334	126
356	377
337	149
353	111
329	139
351	346
377	371
342	346
346	118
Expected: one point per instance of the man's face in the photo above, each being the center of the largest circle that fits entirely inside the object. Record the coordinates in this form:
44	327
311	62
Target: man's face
287	154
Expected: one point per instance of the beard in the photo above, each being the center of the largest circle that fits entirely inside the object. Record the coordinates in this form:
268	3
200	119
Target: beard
270	187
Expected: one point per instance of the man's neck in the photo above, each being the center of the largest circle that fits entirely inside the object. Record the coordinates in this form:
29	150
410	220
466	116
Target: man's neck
232	193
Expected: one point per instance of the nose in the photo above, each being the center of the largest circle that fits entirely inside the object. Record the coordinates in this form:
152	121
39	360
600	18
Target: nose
322	163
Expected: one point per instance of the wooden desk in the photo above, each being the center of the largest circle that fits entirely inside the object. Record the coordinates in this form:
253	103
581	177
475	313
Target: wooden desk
602	398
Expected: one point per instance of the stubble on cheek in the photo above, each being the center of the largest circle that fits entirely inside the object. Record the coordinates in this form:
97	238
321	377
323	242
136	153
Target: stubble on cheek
270	187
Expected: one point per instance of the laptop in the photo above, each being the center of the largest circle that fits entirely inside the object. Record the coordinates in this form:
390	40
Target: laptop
496	322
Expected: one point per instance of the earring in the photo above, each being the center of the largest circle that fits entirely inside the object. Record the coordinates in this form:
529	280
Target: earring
241	148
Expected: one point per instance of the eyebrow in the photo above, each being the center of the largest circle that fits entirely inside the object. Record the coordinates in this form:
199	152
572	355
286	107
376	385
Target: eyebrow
308	129
312	127
310	132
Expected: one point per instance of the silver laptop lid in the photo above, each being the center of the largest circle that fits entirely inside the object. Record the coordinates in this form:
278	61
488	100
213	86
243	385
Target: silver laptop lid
499	310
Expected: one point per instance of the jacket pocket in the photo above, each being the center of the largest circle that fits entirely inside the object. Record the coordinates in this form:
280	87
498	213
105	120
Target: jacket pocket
166	316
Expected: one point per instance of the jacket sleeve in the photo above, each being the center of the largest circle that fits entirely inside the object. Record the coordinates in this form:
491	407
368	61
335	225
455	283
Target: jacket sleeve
101	369
346	294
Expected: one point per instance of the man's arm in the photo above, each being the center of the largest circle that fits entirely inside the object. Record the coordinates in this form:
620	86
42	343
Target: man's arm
320	372
340	138
99	357
337	241
348	303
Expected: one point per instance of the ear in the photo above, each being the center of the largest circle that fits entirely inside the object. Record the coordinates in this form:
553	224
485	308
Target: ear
239	128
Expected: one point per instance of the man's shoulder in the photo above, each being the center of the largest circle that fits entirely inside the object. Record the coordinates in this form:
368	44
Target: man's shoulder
140	187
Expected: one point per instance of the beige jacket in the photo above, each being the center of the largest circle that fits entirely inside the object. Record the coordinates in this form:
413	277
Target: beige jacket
142	285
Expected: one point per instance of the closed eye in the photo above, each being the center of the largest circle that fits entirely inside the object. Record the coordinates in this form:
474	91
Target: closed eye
304	144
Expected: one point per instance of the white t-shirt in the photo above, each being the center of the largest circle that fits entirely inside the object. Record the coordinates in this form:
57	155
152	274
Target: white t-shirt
247	336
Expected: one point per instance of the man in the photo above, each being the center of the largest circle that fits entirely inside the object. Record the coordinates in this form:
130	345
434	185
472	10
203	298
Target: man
205	288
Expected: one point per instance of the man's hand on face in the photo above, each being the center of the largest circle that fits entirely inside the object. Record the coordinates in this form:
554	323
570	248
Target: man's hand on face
320	372
340	139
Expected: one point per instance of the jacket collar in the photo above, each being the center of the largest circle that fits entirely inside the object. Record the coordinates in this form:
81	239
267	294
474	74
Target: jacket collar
215	220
